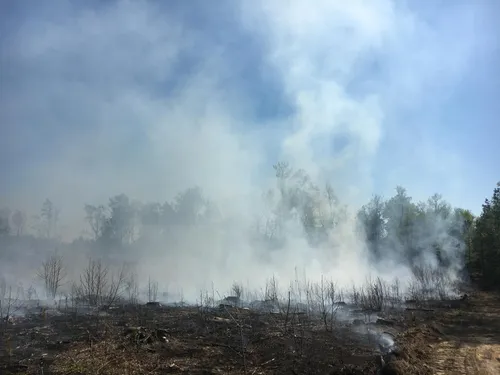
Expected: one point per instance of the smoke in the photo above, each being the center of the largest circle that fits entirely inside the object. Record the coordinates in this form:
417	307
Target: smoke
150	98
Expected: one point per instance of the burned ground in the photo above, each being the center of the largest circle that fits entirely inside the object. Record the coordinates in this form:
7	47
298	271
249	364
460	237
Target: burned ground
459	339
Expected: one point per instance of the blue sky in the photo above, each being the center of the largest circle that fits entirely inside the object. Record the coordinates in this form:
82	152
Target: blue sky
150	97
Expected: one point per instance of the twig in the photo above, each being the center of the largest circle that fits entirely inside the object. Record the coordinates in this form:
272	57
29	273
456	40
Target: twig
267	362
104	365
263	364
242	340
287	311
241	354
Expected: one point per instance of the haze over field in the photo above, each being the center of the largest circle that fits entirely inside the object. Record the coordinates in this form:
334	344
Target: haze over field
150	98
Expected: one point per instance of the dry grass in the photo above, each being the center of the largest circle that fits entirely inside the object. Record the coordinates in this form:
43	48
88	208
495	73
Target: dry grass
139	340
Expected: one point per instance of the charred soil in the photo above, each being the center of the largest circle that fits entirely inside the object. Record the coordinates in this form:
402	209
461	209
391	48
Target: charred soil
459	339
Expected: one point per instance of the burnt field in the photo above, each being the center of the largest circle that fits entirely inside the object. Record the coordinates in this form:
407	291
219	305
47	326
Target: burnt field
442	337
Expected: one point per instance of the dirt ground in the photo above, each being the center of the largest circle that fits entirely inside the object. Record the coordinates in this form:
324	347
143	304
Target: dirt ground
461	339
470	343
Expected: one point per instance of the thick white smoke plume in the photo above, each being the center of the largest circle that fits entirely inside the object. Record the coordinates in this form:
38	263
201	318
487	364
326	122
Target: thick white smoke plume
152	98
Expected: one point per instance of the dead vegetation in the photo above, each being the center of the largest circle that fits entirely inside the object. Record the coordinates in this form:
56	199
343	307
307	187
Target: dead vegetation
52	274
311	329
325	335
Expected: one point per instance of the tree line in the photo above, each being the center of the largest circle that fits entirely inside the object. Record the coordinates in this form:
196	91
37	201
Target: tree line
397	228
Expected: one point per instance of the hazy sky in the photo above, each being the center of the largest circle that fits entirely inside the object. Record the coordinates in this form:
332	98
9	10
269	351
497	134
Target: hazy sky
150	97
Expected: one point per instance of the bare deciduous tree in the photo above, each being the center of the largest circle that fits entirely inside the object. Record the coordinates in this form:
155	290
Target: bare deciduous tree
116	286
152	290
50	217
9	303
98	286
19	221
96	217
73	294
93	282
31	293
52	273
132	288
271	292
5	228
237	290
